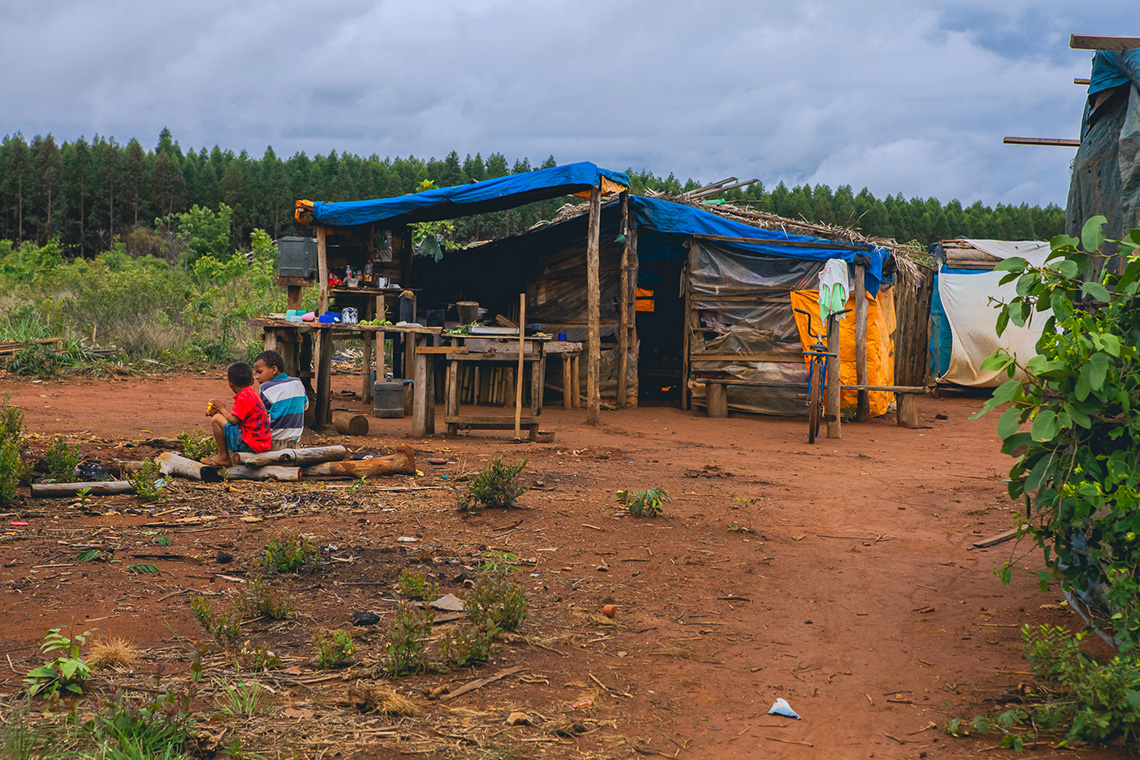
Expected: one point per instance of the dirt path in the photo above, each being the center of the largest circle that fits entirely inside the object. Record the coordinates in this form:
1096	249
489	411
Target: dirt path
856	597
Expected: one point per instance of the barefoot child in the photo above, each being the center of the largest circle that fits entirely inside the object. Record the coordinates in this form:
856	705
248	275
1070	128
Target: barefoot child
246	428
284	398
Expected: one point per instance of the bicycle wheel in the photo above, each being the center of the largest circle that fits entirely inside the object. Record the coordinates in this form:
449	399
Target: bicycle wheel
815	403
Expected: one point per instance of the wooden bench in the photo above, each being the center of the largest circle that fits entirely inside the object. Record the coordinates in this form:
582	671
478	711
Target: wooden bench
906	409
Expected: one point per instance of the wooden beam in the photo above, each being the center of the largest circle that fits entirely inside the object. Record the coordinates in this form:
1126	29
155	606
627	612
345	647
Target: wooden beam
623	307
593	307
1080	81
863	402
833	382
789	243
1103	42
1061	142
322	271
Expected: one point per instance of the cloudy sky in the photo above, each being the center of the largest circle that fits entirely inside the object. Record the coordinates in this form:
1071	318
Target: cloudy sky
900	96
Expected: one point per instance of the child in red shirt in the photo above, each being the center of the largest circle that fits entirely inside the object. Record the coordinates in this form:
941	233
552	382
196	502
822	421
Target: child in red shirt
246	428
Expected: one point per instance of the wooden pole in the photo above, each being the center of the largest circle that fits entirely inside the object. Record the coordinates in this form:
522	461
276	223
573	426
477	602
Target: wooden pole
623	310
322	272
518	382
324	337
310	455
594	303
631	299
272	472
170	463
95	488
833	421
403	462
863	404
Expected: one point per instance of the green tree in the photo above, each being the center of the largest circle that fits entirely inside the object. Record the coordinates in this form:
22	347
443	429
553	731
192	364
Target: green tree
207	232
48	180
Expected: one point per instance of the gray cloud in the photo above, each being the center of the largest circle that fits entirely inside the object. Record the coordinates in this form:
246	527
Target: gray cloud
896	96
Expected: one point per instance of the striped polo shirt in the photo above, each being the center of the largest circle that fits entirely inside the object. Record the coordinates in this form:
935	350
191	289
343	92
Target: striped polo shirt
286	401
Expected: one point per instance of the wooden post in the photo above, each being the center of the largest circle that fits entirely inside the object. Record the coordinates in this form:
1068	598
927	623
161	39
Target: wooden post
423	388
322	272
366	365
567	383
324	375
716	399
623	308
907	410
687	319
594	303
293	297
631	299
833	384
863	404
324	337
519	380
576	379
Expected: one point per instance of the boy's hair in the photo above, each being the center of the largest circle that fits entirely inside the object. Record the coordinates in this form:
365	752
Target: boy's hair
271	359
240	374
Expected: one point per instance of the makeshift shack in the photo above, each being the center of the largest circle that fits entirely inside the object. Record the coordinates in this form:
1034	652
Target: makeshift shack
370	243
1106	170
714	299
964	309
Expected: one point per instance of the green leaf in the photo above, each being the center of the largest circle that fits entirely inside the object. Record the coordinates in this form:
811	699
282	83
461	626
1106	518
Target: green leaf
1012	264
998	361
1040	473
1091	235
1043	579
1082	387
1111	344
1097	291
1007	391
87	556
1009	423
1045	425
142	569
1060	243
1068	269
1002	321
1098	364
68	667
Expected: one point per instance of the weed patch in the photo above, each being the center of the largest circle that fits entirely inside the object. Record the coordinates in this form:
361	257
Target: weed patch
494	486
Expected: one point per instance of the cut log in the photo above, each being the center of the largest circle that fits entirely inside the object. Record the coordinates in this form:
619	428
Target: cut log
102	488
350	423
272	472
401	463
170	463
292	456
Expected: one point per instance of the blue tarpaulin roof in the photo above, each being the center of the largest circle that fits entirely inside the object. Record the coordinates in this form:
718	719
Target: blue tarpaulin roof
679	219
464	200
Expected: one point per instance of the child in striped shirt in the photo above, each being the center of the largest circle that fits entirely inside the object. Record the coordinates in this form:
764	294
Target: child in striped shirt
284	397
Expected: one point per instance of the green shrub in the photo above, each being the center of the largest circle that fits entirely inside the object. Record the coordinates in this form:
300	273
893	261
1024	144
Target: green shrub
333	649
469	642
646	503
405	640
495	485
290	552
260	657
148	483
61	460
258	600
14	470
496	599
413	585
196	446
223	625
67	672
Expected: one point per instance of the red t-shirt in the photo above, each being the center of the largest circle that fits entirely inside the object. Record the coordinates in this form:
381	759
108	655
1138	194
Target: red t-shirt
249	409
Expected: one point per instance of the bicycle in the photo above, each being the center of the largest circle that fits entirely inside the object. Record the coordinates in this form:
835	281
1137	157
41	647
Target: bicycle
817	356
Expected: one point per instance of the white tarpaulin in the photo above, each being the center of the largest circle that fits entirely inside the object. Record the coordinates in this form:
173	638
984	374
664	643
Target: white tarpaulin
972	315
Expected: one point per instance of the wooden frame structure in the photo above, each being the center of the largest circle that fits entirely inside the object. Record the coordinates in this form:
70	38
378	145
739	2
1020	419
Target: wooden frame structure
403	256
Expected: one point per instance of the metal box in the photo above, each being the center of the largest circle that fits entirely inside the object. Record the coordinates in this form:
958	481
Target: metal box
297	257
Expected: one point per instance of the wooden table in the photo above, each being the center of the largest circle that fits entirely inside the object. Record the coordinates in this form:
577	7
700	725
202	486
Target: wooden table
294	341
485	351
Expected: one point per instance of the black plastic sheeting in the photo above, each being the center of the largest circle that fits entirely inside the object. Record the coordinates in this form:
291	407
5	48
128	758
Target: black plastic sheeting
743	305
1106	170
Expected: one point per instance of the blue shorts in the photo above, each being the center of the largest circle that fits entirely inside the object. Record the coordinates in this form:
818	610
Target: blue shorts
234	441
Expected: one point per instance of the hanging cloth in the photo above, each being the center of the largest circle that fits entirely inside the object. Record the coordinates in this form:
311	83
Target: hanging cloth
834	285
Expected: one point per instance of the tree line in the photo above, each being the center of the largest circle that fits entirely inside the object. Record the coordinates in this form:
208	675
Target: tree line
88	194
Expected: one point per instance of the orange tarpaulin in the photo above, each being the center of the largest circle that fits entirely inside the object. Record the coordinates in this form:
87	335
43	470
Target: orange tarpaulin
880	348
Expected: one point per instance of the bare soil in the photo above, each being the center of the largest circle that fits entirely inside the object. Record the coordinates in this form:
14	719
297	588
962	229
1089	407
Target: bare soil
839	576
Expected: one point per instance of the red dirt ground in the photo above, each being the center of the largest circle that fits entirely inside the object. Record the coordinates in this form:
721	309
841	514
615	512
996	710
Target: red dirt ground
857	597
